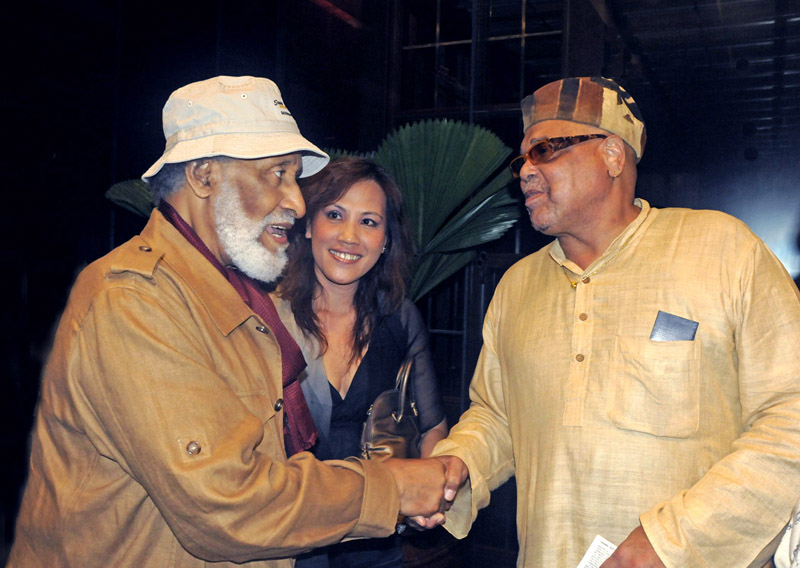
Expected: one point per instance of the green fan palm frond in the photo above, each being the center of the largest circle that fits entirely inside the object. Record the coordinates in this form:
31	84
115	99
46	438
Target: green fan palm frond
481	223
439	163
133	195
432	269
336	153
442	167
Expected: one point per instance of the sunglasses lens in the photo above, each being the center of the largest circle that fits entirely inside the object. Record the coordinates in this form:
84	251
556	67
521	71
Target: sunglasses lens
544	149
516	165
540	151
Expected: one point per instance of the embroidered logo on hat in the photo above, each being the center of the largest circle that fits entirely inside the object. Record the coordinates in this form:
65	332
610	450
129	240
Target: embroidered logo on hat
282	106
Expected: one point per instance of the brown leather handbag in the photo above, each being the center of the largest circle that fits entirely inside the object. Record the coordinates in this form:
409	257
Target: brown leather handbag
391	429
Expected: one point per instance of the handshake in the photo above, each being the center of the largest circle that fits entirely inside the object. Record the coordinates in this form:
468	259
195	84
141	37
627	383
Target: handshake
427	487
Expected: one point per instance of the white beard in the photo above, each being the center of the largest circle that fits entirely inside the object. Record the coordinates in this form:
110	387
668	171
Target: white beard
239	236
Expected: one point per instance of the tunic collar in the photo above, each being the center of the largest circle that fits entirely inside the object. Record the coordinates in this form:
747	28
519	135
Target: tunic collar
622	240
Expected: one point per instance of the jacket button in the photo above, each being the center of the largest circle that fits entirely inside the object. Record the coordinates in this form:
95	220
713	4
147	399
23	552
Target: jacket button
278	404
145	248
262	329
193	448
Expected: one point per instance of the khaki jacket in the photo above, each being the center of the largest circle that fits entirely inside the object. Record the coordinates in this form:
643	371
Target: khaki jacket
158	438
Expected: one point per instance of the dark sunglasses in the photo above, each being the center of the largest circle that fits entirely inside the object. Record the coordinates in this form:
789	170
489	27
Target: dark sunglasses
545	148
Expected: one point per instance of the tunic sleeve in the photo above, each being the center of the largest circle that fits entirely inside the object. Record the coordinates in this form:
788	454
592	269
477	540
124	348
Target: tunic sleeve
481	439
713	522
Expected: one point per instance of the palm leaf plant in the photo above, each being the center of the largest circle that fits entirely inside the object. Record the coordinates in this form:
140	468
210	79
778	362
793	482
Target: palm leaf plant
453	183
133	195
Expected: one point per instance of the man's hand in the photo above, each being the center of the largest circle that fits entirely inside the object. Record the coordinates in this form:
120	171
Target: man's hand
420	483
456	474
634	552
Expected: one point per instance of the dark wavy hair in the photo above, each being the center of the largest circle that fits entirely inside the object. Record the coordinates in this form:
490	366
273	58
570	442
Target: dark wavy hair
380	291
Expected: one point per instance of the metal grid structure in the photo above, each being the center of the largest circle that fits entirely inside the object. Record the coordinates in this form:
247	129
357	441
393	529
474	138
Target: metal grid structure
716	76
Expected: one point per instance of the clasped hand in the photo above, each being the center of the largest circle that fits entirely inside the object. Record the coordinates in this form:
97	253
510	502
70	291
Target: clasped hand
427	488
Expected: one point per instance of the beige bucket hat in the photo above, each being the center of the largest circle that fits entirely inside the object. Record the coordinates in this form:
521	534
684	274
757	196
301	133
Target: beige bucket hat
239	117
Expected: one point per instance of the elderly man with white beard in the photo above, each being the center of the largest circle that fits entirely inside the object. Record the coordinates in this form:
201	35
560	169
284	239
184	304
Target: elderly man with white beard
171	428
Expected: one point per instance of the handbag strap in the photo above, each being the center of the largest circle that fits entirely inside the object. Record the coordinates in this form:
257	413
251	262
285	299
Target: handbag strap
402	386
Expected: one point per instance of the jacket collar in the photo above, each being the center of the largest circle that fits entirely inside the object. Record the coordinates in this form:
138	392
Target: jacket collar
214	292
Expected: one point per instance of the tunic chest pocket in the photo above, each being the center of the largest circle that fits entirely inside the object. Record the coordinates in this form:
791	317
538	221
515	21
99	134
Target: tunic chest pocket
655	386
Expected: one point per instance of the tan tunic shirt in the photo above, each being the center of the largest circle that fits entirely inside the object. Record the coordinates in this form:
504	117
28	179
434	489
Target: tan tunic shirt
788	553
699	439
158	438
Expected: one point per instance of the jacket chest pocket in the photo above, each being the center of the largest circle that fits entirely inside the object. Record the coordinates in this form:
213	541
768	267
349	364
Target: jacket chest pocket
268	412
654	386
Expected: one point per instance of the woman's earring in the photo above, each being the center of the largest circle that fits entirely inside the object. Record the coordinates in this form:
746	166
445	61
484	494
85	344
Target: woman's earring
384	249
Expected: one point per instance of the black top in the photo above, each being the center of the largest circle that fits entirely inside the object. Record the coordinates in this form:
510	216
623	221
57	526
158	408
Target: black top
396	335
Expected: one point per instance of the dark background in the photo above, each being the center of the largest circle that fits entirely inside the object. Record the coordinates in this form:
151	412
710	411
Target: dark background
84	83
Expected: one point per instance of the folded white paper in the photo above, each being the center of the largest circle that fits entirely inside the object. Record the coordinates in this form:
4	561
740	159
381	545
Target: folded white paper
599	550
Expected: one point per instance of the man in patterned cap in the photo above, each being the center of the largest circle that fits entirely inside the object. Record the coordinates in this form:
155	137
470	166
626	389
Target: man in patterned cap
171	427
639	375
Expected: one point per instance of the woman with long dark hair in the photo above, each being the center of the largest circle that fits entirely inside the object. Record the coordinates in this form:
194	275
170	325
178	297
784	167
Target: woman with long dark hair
345	285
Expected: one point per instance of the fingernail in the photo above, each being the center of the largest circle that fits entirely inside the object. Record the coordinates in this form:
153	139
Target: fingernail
449	494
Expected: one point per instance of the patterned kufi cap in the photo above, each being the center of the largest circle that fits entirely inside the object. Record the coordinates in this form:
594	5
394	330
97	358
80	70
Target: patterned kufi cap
596	101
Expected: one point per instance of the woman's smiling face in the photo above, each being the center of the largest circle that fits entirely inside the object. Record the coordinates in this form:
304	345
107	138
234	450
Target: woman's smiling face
348	236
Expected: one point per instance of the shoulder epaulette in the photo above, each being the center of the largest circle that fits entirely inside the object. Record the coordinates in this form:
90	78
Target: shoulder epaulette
135	256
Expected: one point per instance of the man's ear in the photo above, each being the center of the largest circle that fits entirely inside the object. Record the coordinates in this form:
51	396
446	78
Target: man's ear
199	177
614	155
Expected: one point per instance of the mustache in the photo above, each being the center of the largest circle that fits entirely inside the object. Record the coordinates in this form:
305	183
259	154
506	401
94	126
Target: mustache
277	217
533	186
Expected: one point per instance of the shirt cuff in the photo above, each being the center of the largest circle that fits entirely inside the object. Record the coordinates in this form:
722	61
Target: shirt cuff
380	504
470	498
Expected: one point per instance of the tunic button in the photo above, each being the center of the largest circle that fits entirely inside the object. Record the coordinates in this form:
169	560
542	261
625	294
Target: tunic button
262	329
193	448
586	280
145	248
583	317
579	358
278	404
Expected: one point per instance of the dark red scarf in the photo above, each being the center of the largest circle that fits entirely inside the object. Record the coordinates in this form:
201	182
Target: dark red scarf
299	432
